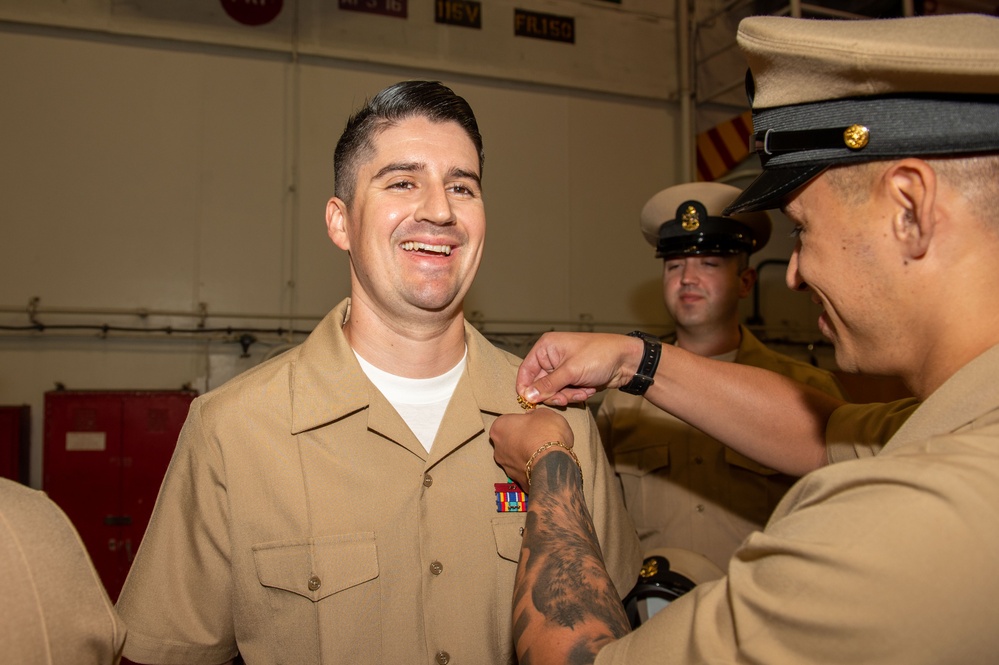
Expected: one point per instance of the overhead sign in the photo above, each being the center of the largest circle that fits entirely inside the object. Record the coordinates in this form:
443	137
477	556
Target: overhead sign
398	8
466	13
544	26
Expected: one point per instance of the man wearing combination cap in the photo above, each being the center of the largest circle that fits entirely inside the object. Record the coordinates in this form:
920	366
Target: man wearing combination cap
880	141
683	488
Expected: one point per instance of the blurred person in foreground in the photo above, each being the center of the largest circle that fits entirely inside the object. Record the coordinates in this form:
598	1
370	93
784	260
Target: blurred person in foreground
880	141
54	608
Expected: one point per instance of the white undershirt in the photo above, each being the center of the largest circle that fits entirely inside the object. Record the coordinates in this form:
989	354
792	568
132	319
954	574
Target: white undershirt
420	402
728	356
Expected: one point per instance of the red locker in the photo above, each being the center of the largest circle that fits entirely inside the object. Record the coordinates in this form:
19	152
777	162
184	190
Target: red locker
15	442
104	459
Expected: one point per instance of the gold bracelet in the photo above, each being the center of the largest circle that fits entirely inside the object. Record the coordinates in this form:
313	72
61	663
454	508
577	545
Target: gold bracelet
545	447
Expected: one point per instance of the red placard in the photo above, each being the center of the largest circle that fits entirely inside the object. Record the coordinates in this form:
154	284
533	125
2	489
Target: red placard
253	12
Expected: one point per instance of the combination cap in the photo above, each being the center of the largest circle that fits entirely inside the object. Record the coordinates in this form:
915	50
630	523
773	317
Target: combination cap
686	220
667	573
829	92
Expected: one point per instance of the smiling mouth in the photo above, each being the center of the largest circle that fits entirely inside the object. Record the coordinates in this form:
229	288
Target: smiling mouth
413	246
690	296
825	326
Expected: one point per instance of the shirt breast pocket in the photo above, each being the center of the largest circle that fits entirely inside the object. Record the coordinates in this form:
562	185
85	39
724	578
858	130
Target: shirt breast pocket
508	530
644	475
323	585
641	462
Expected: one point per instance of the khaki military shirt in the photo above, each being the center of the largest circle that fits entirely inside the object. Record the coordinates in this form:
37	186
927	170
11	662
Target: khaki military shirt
862	430
684	489
53	608
301	521
888	559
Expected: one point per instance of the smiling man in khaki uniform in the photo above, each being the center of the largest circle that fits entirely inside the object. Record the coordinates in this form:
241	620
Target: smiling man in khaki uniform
683	488
340	503
880	141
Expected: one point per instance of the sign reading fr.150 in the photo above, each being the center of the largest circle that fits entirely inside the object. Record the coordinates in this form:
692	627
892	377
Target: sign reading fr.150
544	26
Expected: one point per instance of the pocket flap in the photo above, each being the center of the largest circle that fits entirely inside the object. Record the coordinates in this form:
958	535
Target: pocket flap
317	567
509	534
641	462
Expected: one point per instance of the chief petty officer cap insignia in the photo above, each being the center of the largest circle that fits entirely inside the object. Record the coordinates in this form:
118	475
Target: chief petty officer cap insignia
829	92
667	573
687	220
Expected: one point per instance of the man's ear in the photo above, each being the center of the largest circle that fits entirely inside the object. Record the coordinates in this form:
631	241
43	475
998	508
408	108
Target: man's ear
746	281
912	187
336	223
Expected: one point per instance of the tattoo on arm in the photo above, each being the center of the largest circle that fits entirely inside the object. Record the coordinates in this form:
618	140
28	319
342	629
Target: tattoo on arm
565	605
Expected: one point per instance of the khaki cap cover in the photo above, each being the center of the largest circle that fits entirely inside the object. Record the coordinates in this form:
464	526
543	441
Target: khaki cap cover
828	92
693	565
662	222
795	61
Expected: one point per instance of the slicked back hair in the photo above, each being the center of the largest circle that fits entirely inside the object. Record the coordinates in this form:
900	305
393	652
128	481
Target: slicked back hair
428	99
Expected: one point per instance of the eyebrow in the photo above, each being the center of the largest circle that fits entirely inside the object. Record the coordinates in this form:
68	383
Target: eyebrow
395	167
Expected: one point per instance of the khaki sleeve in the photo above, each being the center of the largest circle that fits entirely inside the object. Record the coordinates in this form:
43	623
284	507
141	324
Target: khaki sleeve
615	529
850	572
177	599
605	423
856	431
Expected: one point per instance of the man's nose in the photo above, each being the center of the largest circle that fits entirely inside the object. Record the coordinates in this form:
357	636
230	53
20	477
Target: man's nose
435	207
793	277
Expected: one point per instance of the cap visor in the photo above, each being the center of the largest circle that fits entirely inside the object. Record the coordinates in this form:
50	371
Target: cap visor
772	186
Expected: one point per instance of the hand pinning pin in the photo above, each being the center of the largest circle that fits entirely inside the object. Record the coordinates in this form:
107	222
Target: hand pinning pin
524	404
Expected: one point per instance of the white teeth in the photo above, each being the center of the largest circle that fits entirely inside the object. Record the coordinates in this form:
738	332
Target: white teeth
422	246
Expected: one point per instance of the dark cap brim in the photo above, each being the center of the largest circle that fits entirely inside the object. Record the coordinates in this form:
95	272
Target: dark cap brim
772	186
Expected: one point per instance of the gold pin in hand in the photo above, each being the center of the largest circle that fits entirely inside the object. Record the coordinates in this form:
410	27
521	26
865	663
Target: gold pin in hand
524	404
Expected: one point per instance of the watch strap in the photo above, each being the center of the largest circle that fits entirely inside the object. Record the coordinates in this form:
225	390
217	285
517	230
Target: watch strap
645	376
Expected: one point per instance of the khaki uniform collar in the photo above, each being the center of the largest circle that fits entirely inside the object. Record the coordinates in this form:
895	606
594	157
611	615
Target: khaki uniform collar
328	384
965	397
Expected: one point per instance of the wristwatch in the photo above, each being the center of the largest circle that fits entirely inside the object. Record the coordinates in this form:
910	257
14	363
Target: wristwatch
644	377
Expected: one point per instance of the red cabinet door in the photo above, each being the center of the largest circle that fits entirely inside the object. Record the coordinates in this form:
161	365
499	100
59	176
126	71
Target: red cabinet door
151	423
15	437
104	459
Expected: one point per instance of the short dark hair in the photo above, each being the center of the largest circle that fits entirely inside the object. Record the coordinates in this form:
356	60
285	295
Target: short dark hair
429	99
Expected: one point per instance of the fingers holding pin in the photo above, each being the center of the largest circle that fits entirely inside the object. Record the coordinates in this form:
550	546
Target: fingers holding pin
524	404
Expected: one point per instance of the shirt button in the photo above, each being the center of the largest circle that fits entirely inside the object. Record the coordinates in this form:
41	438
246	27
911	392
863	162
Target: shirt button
698	460
700	507
443	657
427	480
437	568
315	583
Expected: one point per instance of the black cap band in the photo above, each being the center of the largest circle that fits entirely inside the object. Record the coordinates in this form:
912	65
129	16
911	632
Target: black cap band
693	231
795	143
898	126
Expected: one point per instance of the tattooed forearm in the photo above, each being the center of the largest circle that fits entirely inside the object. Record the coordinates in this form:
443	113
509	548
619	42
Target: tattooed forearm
565	605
